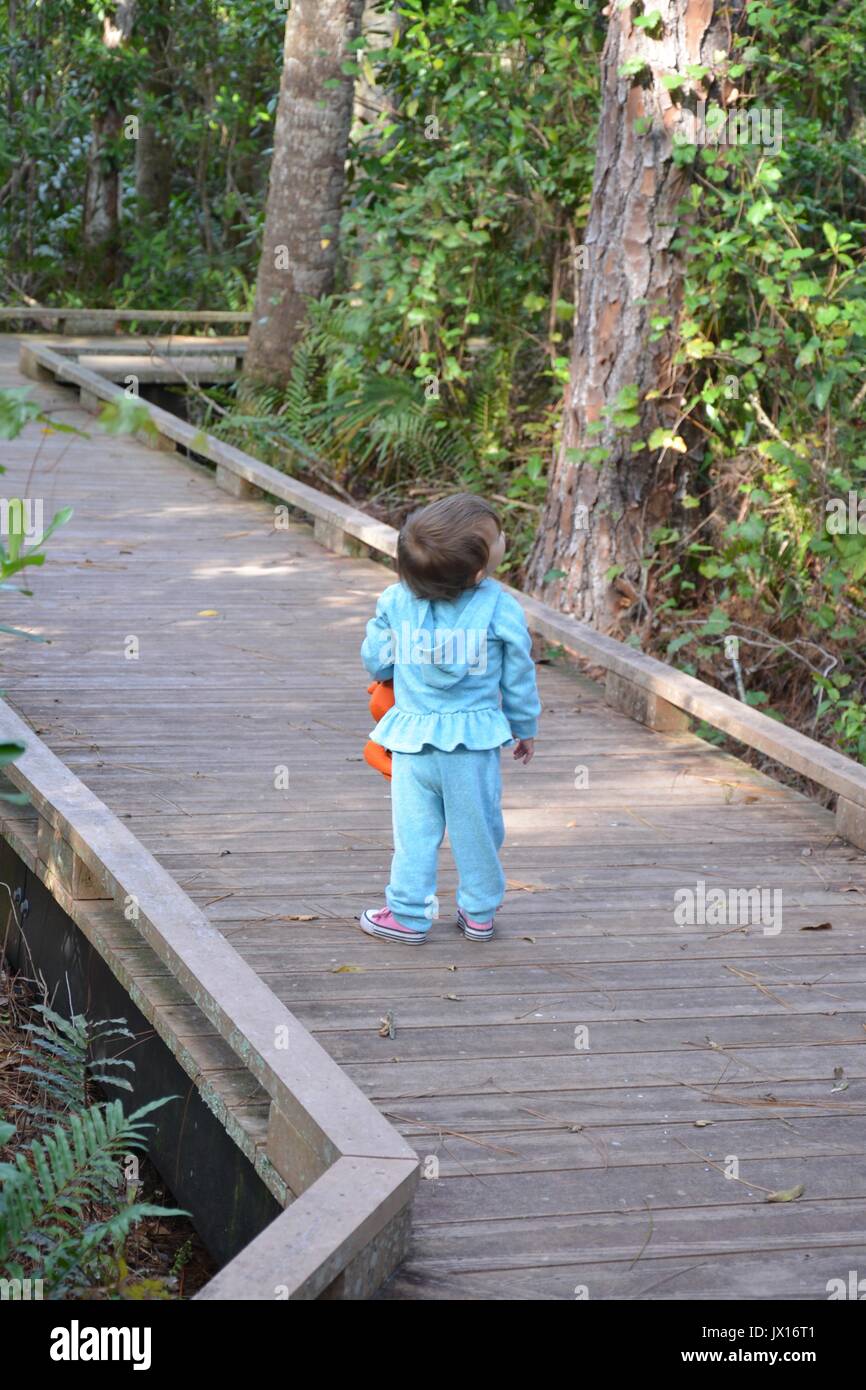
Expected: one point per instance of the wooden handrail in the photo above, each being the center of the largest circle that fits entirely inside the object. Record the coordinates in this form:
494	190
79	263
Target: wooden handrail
15	313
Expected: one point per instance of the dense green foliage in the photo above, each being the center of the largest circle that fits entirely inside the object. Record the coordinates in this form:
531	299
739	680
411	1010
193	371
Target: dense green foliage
774	336
218	72
440	358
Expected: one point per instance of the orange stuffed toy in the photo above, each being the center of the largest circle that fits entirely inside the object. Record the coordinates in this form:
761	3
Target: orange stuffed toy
381	699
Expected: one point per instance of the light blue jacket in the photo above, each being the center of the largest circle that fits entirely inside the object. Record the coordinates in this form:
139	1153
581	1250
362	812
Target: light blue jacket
462	670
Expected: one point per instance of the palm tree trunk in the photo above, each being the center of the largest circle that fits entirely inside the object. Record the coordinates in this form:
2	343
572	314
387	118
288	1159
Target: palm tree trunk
299	253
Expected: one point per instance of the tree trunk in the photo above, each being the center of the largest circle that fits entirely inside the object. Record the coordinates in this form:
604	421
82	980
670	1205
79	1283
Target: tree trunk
598	516
299	252
101	232
153	150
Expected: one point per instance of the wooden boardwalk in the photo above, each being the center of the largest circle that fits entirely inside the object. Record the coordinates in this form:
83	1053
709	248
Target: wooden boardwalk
578	1088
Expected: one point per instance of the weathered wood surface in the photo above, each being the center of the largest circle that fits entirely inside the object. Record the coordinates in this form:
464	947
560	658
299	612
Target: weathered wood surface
161	367
82	345
106	317
553	1168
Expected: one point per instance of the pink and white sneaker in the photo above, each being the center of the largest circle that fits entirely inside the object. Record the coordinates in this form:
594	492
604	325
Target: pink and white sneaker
472	930
382	923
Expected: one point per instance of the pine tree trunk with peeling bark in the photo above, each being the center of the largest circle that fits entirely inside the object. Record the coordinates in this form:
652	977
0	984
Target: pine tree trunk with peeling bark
299	251
599	516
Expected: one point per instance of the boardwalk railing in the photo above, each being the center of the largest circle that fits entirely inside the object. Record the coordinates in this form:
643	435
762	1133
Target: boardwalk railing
636	684
94	320
350	1176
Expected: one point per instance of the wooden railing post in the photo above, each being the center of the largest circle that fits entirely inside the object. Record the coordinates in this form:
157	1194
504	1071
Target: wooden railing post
234	484
851	821
63	866
643	705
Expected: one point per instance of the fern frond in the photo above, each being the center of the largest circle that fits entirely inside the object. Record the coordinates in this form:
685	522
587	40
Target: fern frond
60	1060
49	1185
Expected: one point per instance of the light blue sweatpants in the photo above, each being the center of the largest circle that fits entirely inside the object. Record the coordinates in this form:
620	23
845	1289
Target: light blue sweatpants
431	791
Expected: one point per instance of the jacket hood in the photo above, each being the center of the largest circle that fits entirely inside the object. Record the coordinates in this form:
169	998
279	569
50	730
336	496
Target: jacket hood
455	636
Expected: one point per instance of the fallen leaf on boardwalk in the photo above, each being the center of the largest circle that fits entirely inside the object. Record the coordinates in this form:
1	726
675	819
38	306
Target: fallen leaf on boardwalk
789	1195
297	917
451	967
818	926
702	1124
387	1030
530	938
839	1079
208	613
347	970
455	997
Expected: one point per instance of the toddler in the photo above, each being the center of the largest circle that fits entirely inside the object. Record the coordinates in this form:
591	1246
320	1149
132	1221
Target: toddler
456	645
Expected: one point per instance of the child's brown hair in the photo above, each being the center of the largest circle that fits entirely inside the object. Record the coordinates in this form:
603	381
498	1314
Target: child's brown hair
441	547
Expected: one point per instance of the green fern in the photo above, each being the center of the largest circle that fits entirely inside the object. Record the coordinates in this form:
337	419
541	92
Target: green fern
361	419
53	1181
49	1191
60	1059
296	407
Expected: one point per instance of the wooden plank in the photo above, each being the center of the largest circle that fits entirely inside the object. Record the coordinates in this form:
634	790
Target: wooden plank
645	1187
804	1274
26	313
198	367
175	344
566	1148
701	1232
504	1112
528	1038
327	1016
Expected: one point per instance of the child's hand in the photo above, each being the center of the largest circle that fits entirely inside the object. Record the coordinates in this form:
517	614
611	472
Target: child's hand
524	749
